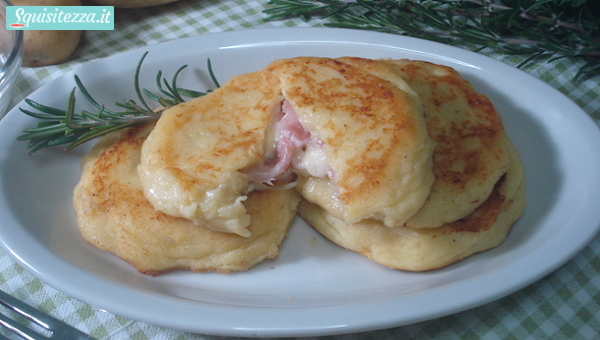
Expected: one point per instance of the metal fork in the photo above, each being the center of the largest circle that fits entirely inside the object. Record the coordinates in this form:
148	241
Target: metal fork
54	329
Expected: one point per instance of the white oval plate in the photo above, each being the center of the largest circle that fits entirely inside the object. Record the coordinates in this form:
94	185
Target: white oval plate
313	287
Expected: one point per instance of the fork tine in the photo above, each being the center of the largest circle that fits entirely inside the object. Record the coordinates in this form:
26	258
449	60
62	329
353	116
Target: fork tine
59	329
19	329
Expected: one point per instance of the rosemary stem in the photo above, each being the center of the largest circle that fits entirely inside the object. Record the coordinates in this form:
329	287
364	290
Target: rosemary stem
66	126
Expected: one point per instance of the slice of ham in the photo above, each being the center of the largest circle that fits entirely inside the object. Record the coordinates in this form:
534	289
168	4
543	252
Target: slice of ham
295	151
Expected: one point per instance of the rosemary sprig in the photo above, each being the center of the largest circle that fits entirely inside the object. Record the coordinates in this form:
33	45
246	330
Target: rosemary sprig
535	29
65	126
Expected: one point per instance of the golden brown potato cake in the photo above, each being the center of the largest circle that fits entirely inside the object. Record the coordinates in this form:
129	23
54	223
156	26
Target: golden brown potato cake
114	215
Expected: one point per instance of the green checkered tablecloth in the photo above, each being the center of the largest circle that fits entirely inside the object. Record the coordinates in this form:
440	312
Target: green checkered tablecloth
563	305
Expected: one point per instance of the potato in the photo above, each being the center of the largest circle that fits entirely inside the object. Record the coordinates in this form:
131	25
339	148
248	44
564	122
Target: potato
132	3
47	47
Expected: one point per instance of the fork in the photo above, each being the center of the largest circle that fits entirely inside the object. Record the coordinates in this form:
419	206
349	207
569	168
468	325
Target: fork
49	327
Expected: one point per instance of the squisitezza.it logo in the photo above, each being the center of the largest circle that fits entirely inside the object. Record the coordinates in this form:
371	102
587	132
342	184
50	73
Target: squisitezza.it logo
60	17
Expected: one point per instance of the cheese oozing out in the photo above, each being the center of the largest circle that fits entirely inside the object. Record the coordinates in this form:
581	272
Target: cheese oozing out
291	150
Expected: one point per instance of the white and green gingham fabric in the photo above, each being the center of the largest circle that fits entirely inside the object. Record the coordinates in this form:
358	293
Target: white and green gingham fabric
563	305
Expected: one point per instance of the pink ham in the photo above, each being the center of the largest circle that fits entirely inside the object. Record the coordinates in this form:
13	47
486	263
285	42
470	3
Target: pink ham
292	142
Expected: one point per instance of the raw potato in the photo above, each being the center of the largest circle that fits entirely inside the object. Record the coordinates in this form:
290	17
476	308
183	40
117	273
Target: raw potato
47	47
132	3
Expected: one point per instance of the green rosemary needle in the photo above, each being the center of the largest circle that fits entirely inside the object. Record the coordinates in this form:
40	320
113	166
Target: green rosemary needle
65	126
534	29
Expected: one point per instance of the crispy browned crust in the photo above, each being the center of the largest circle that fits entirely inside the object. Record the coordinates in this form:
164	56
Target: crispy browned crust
470	155
199	146
421	249
480	120
114	215
374	134
237	122
380	137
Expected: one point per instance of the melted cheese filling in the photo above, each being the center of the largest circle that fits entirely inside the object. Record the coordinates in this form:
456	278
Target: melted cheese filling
290	150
